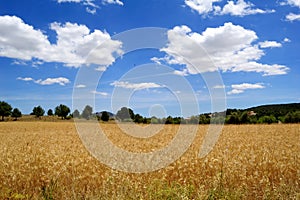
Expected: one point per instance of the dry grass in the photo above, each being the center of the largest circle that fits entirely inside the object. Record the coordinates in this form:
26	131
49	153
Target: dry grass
46	160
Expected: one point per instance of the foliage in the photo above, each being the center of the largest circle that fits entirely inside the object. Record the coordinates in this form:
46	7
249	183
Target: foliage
267	119
38	111
138	118
87	112
5	109
76	114
104	116
50	112
125	113
292	117
16	113
62	111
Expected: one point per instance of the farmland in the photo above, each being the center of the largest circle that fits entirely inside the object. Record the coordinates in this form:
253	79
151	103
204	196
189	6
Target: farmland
46	160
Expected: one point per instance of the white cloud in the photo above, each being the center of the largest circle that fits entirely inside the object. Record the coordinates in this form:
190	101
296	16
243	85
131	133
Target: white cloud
235	91
19	40
101	68
25	79
286	40
228	48
80	86
91	6
269	44
69	1
91	10
292	3
74	42
267	70
240	88
135	86
293	17
238	8
184	72
48	81
201	6
118	2
241	8
99	93
219	87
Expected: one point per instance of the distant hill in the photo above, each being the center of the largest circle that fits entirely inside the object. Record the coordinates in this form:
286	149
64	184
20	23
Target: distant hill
274	109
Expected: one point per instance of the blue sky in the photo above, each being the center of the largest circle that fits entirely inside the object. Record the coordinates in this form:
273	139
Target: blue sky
46	46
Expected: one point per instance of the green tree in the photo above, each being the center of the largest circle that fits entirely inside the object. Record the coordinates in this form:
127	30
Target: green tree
104	116
138	118
87	112
16	113
204	119
76	114
125	114
233	118
267	119
62	111
169	120
50	112
194	120
244	118
5	109
38	111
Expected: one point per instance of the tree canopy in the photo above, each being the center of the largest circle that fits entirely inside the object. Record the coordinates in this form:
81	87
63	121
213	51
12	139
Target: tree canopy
87	112
125	114
104	116
62	111
5	109
50	112
76	114
38	111
16	113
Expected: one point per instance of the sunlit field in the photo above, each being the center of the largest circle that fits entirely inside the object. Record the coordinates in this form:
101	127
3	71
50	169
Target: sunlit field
46	160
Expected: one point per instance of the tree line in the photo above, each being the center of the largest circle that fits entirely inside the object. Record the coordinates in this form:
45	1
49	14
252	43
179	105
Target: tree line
282	113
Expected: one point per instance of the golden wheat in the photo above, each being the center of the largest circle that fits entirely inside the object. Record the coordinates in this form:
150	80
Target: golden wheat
46	160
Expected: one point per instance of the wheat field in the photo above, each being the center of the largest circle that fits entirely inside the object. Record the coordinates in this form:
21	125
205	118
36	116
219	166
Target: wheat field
46	160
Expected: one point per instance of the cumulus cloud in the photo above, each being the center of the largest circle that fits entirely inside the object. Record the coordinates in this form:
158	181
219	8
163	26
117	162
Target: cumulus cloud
73	43
238	8
241	8
228	48
292	3
269	44
240	88
293	17
19	40
48	81
135	86
201	6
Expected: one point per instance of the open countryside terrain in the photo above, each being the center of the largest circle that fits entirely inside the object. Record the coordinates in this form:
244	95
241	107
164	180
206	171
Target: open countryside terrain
46	160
